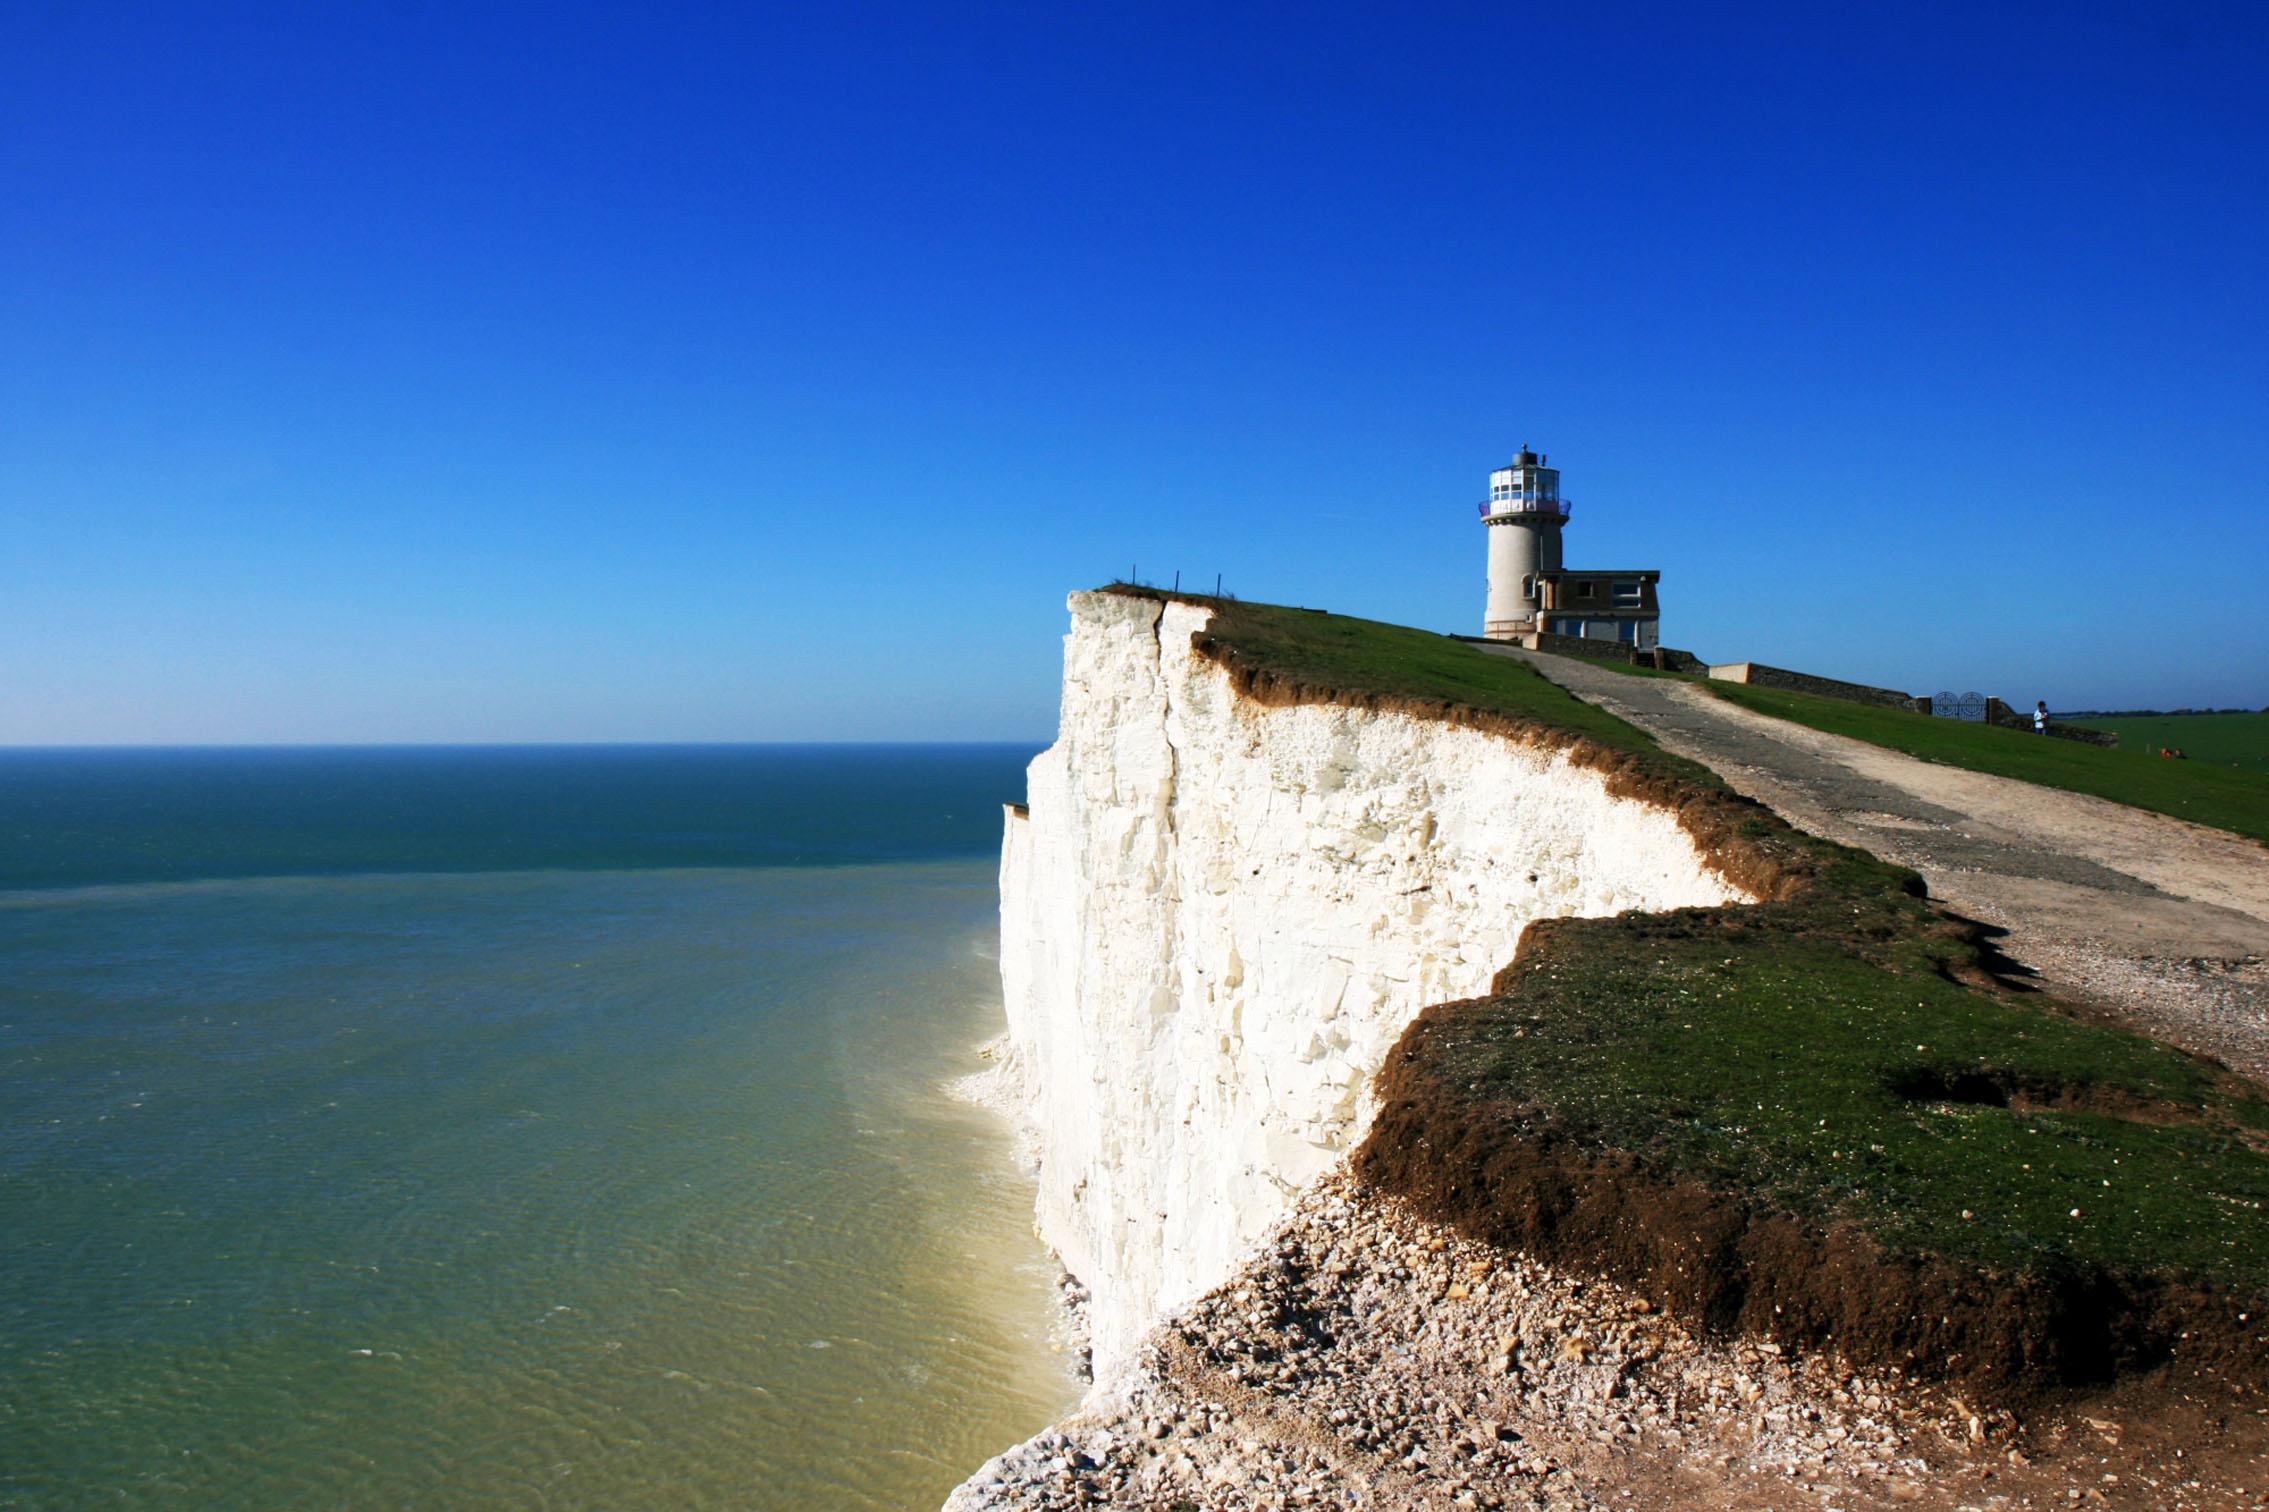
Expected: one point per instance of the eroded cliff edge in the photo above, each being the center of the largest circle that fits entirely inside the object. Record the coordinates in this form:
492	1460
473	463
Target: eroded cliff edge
1219	912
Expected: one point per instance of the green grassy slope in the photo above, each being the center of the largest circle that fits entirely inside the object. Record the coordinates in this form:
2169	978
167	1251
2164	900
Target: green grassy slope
2194	790
1858	1085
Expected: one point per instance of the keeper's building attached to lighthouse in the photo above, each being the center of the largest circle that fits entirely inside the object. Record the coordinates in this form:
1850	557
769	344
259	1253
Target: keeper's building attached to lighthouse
1530	592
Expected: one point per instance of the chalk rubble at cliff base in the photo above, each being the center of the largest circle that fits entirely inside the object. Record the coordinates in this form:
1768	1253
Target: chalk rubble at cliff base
1364	1358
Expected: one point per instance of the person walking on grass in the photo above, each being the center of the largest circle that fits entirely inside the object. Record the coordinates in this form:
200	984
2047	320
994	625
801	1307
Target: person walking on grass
2040	717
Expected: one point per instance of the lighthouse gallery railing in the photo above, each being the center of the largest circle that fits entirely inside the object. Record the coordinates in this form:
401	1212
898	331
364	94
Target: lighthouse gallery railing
1556	509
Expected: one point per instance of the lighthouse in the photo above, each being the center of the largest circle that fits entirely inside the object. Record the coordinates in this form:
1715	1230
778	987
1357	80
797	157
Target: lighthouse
1524	513
1530	592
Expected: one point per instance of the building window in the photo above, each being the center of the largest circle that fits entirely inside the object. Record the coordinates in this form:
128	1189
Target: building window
1627	594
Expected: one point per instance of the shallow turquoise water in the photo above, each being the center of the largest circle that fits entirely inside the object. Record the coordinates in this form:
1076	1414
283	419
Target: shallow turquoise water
554	1188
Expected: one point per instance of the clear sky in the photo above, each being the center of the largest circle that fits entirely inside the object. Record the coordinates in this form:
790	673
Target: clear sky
439	371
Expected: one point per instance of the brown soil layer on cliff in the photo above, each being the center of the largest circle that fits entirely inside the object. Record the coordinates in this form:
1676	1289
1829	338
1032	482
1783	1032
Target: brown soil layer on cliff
1816	1119
1726	1263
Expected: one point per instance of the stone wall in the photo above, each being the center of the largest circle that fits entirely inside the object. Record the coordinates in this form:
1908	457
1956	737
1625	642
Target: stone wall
1580	645
1999	713
1662	658
1758	675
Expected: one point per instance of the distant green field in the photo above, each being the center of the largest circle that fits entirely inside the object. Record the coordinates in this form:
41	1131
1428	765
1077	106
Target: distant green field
2239	740
2201	791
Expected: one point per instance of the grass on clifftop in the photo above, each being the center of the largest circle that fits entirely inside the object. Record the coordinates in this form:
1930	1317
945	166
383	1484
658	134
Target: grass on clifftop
1790	1118
2200	792
1372	658
1848	1081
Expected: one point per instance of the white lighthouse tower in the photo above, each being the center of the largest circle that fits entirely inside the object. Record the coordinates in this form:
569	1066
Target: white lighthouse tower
1524	513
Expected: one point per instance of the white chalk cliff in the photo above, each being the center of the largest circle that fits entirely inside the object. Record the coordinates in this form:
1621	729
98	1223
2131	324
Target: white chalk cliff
1218	916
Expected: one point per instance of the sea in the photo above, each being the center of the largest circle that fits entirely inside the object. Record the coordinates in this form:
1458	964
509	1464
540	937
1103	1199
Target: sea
516	1127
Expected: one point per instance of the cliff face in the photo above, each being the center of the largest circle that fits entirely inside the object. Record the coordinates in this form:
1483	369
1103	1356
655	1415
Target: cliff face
1218	916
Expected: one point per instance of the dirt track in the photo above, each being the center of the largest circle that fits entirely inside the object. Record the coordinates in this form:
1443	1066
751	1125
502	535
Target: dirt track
2160	923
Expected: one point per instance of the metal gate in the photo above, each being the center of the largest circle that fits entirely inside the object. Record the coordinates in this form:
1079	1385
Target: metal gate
1969	706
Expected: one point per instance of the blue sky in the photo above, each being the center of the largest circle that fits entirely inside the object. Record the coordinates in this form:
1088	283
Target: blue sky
457	372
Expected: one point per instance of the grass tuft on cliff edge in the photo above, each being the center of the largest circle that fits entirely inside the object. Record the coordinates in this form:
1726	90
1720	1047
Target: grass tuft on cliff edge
1814	1118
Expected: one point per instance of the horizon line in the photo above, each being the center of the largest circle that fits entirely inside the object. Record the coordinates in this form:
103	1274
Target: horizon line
470	745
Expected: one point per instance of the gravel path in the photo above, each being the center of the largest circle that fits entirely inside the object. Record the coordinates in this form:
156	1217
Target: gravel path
2160	923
